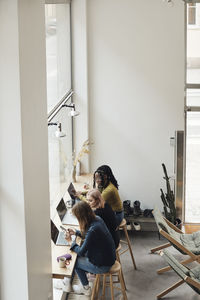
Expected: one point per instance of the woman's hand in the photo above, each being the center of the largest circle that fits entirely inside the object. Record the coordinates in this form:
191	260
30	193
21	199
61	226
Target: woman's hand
68	237
78	194
71	231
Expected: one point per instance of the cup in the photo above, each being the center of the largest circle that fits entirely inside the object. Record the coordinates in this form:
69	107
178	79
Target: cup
61	262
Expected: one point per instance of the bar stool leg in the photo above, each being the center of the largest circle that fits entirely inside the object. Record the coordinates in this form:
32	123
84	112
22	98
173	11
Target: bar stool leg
111	287
95	287
98	285
123	287
118	259
129	245
104	287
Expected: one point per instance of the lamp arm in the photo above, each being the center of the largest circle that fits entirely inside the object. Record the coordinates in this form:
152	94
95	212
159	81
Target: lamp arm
71	106
50	124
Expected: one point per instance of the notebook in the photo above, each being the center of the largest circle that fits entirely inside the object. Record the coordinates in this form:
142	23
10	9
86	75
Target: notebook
58	237
65	214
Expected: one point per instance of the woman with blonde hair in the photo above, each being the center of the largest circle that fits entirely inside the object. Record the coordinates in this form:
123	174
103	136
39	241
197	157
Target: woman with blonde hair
103	210
97	253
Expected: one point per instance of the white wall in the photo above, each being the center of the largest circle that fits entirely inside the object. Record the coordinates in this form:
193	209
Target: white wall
25	257
136	99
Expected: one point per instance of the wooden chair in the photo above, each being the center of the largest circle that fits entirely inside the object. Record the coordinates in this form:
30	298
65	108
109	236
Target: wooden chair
184	243
122	226
189	276
114	271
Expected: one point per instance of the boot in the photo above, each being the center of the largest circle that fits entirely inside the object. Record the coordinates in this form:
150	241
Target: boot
127	207
136	208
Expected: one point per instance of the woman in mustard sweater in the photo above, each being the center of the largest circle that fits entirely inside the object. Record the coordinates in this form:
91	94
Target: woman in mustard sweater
106	183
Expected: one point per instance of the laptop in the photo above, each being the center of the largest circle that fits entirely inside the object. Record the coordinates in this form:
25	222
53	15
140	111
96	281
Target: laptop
72	192
65	214
58	237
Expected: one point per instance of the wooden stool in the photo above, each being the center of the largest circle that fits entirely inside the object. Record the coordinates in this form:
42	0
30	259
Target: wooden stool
122	226
115	270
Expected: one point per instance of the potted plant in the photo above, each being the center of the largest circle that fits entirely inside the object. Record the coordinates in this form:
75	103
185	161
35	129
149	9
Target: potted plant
168	200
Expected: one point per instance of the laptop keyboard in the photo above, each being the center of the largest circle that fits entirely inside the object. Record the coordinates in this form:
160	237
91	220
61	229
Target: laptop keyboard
69	219
61	239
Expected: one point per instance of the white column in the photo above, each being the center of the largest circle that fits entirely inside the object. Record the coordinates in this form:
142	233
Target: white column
25	257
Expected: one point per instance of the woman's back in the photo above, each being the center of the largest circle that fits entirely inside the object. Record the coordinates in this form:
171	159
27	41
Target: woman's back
108	216
111	196
100	244
97	252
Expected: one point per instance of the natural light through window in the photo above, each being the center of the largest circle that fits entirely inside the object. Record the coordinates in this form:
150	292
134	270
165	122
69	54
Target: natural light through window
192	175
58	53
58	62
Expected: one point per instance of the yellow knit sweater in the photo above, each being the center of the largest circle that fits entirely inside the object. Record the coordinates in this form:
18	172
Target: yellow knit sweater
111	196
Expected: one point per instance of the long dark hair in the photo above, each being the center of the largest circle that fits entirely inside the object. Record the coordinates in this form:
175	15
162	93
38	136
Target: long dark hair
105	170
85	215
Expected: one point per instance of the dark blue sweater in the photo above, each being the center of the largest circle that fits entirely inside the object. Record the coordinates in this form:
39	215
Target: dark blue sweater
98	245
108	215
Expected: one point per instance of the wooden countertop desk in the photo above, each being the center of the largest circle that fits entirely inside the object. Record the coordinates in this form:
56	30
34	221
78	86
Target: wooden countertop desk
58	272
81	180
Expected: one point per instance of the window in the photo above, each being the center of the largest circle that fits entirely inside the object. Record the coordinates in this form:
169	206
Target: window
192	191
58	52
191	13
60	157
192	115
58	65
193	44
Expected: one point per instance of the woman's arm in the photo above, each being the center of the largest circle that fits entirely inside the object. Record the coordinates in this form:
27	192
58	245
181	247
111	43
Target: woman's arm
81	196
81	250
78	233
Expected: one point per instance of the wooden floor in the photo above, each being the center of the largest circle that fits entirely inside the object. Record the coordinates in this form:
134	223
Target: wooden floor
190	228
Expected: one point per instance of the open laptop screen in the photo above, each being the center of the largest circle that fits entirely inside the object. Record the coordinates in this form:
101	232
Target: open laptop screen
54	232
72	191
61	209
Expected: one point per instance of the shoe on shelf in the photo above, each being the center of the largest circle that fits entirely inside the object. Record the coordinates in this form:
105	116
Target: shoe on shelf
79	289
128	226
136	208
63	285
136	226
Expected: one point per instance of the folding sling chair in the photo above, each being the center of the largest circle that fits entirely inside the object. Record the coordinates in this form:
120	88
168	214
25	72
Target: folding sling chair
187	244
189	276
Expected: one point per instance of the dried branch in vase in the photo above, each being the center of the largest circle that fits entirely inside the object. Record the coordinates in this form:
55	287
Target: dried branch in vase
84	150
